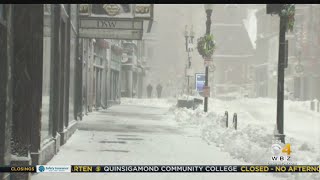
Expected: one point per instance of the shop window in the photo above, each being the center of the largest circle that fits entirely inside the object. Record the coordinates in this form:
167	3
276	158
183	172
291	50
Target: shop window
72	75
73	42
46	124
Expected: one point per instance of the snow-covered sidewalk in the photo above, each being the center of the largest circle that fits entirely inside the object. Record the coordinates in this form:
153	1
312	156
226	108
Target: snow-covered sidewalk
256	122
141	132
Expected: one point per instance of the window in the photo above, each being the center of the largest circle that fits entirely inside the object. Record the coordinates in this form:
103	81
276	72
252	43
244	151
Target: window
46	125
72	81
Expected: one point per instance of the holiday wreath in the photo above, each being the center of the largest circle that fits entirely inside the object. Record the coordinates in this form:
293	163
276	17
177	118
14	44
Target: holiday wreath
206	46
289	11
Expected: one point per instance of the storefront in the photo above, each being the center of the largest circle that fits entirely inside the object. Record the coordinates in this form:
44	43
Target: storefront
98	68
89	79
84	59
114	75
5	86
38	57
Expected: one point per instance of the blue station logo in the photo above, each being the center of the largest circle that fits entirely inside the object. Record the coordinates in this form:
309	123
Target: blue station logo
41	168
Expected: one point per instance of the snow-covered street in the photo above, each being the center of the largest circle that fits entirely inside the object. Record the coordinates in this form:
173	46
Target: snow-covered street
142	132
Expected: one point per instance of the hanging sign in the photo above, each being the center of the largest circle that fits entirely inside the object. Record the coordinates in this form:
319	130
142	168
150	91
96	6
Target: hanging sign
130	29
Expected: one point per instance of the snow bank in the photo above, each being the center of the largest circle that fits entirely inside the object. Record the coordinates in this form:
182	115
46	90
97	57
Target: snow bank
153	102
252	141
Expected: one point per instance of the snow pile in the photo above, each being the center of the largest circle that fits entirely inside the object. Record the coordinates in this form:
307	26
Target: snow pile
252	141
189	97
153	102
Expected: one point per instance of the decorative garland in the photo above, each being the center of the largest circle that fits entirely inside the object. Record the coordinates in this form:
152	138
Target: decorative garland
206	46
289	11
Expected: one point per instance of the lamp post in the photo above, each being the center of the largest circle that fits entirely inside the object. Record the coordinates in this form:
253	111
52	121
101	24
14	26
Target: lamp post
189	48
282	64
208	8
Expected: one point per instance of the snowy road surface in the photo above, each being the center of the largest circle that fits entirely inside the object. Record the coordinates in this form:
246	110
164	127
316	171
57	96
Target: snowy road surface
139	134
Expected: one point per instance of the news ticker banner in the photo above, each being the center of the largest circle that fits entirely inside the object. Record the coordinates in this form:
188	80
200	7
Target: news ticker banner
163	169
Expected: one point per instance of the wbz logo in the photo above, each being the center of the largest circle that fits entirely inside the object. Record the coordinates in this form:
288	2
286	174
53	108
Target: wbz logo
281	153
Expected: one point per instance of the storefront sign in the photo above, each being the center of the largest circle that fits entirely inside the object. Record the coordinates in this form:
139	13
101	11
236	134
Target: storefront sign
200	81
141	11
129	29
103	23
114	21
112	10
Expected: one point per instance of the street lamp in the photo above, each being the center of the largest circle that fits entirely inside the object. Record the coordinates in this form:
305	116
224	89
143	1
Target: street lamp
283	11
208	8
189	48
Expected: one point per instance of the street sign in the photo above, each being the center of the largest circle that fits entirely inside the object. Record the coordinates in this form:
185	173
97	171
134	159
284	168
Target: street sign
200	80
127	29
206	91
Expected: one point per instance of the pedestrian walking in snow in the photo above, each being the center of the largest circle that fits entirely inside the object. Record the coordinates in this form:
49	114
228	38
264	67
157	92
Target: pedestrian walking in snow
159	90
149	90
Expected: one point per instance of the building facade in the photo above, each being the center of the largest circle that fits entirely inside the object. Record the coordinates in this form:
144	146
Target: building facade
49	79
234	52
42	62
301	75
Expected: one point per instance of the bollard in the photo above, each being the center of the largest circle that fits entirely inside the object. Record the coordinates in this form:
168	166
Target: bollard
319	106
235	121
227	117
